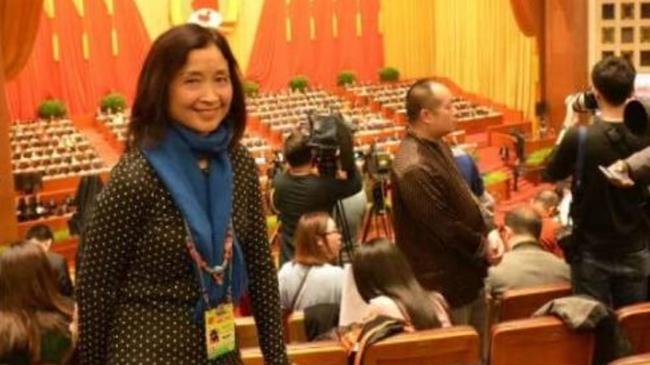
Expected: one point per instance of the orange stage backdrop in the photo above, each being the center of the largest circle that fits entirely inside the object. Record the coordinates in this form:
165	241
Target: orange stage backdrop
317	38
81	54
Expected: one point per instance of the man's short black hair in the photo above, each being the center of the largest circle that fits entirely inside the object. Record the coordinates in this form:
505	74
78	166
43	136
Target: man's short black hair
39	232
419	96
614	77
524	220
296	149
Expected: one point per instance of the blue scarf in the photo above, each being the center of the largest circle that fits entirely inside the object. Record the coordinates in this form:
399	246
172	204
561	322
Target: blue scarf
204	201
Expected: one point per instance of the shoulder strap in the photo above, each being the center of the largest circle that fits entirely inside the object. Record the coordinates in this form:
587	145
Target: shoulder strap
578	174
300	287
580	157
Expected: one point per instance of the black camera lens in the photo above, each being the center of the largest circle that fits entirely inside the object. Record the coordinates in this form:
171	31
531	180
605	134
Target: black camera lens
585	102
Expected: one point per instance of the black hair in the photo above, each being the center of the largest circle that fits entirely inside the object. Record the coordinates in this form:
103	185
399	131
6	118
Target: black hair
167	56
296	149
613	77
39	232
380	268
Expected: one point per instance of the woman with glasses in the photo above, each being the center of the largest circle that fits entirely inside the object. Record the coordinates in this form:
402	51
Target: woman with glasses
310	278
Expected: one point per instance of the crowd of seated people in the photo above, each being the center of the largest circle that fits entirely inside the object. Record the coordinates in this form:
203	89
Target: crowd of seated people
33	207
383	283
258	147
391	97
283	111
382	275
52	148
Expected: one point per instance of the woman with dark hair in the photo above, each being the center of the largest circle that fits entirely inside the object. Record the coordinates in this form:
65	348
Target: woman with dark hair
310	279
34	316
385	280
178	231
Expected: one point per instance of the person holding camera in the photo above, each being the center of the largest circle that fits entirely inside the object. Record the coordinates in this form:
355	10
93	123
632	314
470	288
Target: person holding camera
608	246
302	189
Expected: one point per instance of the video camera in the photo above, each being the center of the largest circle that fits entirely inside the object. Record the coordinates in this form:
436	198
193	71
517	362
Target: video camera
378	163
584	102
277	165
636	115
329	134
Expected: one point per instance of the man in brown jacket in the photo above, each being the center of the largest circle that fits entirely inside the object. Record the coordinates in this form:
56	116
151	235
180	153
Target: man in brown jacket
438	223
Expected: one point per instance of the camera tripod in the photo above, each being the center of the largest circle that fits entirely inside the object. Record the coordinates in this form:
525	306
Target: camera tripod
346	238
379	211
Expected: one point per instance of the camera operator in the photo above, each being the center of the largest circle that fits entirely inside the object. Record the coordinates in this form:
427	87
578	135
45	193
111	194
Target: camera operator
301	189
608	248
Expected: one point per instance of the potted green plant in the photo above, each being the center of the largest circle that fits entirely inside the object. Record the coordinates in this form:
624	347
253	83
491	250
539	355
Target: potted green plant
113	103
538	157
346	78
299	83
251	88
388	74
52	109
497	183
535	163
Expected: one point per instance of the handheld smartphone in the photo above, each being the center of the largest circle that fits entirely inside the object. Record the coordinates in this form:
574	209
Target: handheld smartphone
612	175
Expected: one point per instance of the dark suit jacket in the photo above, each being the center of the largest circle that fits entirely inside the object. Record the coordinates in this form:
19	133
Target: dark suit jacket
438	223
60	267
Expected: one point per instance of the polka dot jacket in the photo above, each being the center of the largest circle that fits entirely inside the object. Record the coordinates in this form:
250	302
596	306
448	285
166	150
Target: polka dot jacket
136	283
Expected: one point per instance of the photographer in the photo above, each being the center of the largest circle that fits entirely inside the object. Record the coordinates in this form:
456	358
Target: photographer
608	247
302	189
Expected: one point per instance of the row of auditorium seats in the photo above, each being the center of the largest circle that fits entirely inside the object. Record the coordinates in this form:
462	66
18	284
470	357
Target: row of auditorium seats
513	340
116	123
534	341
52	148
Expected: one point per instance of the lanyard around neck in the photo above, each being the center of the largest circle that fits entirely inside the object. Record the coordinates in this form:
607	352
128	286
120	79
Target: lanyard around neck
217	272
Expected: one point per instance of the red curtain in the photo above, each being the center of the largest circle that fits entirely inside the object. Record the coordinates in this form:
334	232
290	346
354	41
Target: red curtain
78	81
18	30
322	55
529	15
18	27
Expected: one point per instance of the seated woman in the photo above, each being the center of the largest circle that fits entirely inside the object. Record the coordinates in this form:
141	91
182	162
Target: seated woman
309	279
34	316
385	280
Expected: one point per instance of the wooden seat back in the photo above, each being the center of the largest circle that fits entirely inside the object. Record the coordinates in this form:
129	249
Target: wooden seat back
296	327
246	332
539	341
522	303
635	321
321	353
458	345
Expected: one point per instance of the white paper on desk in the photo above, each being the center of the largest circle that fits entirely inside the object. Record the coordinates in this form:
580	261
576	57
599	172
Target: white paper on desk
353	308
